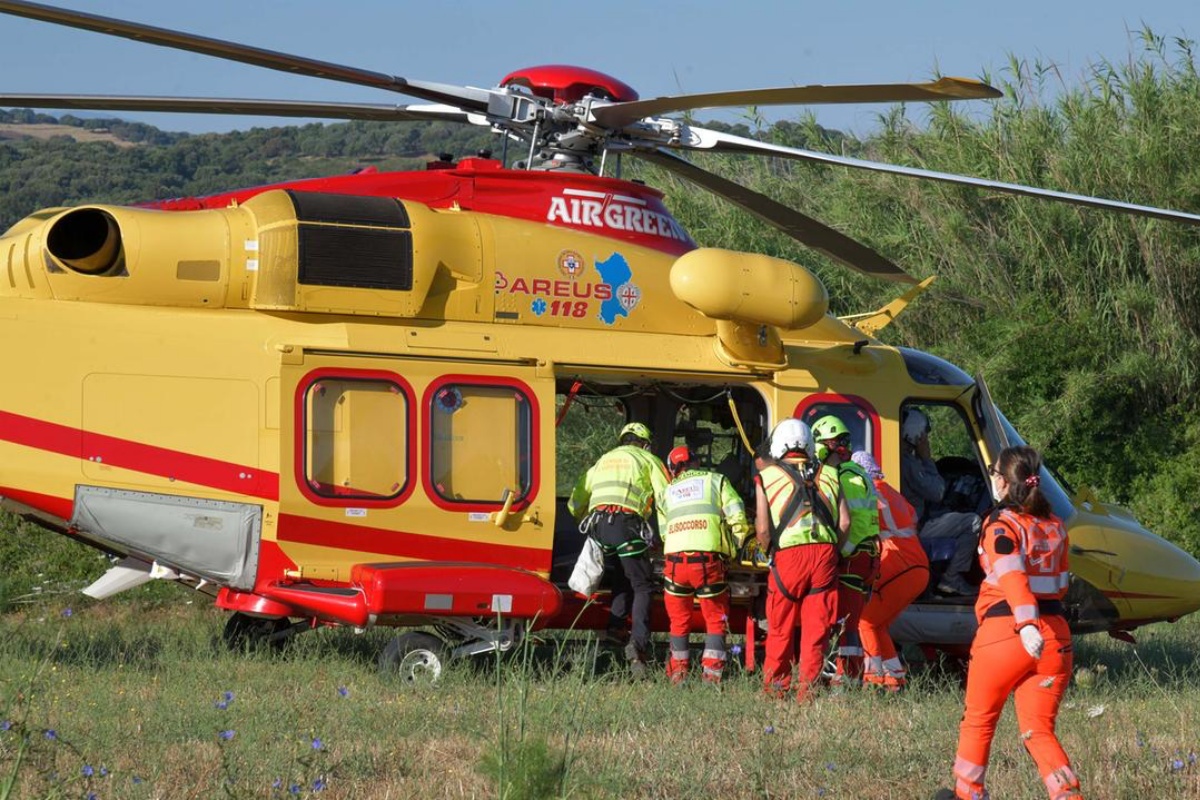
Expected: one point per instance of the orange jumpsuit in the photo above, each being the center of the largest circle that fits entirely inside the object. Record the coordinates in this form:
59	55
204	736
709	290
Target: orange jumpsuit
903	575
1024	559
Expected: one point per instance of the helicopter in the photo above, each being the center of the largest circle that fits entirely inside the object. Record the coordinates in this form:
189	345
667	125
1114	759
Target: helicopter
362	400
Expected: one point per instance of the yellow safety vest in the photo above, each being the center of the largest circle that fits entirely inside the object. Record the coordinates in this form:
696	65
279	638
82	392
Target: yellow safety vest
861	499
704	514
627	477
804	527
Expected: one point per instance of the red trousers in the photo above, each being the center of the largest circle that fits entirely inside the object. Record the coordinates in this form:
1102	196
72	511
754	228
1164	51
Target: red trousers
856	577
903	575
1000	667
705	581
808	573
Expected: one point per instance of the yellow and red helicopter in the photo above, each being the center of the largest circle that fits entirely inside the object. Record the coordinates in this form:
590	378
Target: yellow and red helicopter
362	400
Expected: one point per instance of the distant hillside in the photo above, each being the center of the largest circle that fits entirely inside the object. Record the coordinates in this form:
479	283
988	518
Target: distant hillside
48	161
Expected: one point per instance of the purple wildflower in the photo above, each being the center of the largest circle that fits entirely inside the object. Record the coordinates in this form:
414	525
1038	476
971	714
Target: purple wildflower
227	735
736	649
227	696
318	784
6	725
1176	764
67	613
51	734
343	691
88	771
317	744
769	729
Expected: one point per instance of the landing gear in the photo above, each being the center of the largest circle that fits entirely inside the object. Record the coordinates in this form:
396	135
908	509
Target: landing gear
244	632
418	657
414	658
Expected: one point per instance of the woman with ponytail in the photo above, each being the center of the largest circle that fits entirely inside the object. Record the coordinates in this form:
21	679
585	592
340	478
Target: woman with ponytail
1023	645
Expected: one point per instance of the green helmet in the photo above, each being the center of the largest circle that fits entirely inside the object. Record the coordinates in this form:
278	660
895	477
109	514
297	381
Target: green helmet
637	429
828	428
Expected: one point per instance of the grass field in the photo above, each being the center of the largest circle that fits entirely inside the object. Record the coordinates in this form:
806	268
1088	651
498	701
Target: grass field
126	700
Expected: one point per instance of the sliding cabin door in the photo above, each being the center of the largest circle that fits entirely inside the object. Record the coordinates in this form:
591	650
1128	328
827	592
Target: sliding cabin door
391	459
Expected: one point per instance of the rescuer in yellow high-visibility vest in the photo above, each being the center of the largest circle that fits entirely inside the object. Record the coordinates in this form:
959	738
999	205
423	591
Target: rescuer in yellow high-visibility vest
859	564
706	525
613	501
800	522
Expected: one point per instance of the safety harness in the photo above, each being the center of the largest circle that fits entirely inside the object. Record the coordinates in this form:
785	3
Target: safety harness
804	491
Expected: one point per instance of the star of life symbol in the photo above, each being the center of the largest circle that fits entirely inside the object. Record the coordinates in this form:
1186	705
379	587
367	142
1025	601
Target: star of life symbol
629	295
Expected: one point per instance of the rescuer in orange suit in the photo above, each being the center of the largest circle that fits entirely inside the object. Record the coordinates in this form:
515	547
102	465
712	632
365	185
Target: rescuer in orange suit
903	575
1023	645
801	523
706	525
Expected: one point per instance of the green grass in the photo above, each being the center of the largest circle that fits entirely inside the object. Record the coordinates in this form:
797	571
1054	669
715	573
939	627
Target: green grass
138	693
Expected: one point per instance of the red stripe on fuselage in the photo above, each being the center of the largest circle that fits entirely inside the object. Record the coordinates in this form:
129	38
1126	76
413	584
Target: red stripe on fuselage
60	507
363	539
145	458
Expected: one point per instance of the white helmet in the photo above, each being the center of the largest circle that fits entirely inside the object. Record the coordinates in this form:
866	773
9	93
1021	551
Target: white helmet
791	435
915	425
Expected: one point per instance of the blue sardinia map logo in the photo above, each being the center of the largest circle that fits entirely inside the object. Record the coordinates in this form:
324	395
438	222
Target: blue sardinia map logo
616	273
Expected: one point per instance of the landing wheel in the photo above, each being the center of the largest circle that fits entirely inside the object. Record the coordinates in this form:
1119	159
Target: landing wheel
244	632
414	658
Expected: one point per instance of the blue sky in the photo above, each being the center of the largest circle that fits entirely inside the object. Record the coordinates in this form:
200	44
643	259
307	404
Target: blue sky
657	47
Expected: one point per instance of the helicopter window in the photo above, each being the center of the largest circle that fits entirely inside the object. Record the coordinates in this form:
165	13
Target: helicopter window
356	439
481	442
859	420
931	370
953	448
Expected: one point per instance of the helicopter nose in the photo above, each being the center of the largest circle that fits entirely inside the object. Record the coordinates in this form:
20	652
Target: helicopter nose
1144	577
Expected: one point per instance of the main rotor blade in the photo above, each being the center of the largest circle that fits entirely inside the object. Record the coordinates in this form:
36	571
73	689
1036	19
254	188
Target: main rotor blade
473	99
717	142
619	115
804	229
230	105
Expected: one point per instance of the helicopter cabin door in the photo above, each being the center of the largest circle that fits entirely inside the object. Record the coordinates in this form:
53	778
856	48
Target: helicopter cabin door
388	460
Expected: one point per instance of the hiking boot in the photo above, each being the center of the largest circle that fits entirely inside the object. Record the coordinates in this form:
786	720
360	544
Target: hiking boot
945	794
637	660
887	683
956	587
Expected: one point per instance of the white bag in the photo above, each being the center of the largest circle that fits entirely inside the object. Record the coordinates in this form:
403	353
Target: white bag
589	569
